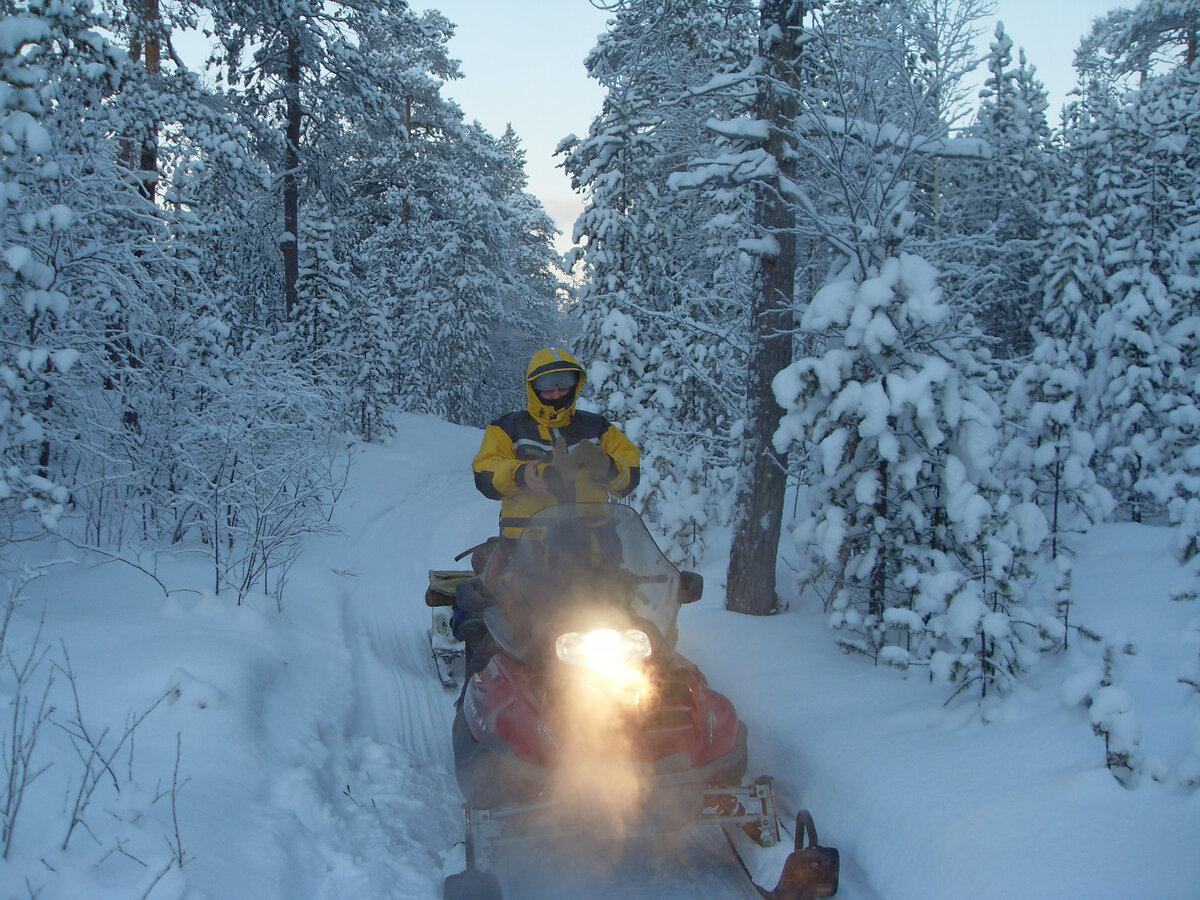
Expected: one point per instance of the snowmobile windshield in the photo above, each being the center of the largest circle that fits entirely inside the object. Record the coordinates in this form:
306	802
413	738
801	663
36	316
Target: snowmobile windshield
579	567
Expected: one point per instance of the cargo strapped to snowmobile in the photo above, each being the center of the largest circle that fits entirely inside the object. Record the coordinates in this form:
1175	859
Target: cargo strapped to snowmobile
442	586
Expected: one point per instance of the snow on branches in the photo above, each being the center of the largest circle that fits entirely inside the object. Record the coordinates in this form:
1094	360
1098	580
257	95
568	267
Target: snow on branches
919	556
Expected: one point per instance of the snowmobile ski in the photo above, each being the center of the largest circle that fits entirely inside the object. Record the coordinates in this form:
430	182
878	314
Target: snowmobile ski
794	867
449	654
472	883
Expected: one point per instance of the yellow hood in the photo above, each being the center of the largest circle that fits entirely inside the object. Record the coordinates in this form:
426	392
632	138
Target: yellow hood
552	359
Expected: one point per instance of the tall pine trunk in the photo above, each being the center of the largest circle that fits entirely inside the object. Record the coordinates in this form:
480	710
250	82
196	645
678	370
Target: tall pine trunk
153	55
145	45
291	178
762	474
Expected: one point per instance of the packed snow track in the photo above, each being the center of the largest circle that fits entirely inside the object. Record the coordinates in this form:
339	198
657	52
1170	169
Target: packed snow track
400	702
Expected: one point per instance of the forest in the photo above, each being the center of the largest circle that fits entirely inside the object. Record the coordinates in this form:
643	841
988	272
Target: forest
907	357
813	269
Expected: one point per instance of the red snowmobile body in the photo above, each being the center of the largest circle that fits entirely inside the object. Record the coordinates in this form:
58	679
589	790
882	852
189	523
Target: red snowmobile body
580	717
684	735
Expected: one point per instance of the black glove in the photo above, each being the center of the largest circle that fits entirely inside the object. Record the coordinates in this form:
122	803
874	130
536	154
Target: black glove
556	482
466	626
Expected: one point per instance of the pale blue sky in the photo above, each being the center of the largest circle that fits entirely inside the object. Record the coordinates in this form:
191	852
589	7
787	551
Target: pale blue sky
523	63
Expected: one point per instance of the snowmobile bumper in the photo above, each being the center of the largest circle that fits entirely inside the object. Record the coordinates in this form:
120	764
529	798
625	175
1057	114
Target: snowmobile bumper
491	776
509	802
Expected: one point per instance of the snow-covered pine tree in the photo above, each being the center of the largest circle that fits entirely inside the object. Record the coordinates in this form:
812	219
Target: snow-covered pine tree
323	290
665	285
1130	44
762	468
1169	108
1135	146
1003	198
916	552
921	556
55	69
436	225
305	68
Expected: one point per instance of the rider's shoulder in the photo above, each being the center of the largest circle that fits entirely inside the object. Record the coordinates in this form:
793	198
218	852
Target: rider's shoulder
588	424
511	423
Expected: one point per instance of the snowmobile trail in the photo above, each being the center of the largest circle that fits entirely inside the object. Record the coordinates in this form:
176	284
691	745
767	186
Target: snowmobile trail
398	699
400	703
694	863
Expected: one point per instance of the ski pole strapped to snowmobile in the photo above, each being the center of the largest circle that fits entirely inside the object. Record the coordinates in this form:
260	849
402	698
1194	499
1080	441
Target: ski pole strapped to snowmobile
586	723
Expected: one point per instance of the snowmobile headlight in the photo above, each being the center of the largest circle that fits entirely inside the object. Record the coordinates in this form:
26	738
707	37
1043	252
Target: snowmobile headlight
604	650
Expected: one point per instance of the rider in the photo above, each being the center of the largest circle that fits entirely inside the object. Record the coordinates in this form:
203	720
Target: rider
546	453
515	463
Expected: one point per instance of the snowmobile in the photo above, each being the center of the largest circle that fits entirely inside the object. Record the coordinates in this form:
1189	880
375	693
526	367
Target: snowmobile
579	719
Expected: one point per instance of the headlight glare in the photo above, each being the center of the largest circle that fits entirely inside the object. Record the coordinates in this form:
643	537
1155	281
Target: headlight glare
605	650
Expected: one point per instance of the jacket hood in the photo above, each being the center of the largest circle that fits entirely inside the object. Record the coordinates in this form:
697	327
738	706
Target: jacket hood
552	359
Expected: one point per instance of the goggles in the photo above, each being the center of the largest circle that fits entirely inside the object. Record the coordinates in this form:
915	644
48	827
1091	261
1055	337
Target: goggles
555	381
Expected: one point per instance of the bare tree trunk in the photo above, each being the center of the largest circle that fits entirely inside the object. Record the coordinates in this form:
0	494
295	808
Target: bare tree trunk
149	162
408	136
291	187
877	599
762	475
145	42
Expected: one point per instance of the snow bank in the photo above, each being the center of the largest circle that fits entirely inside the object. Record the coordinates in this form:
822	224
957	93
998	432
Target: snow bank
314	741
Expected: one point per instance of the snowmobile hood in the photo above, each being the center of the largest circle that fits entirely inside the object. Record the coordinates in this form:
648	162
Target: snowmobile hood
552	359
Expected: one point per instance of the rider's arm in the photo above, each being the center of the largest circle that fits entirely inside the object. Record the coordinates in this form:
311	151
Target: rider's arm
496	466
625	471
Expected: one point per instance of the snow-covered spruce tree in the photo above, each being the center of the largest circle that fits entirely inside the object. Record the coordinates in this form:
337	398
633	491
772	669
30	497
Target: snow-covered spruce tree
1049	404
920	558
1142	157
451	275
371	349
382	164
436	225
53	68
457	290
323	289
1002	200
529	289
1171	104
665	286
1049	460
1131	372
1144	185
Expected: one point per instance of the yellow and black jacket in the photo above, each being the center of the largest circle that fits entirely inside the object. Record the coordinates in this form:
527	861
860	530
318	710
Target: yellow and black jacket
526	437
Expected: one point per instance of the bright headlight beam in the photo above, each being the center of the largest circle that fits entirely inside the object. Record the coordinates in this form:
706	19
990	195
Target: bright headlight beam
604	650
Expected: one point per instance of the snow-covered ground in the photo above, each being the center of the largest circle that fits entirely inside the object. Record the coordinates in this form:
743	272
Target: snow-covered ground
313	742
